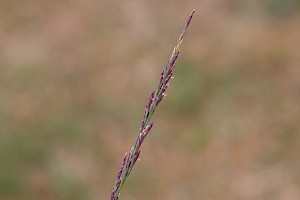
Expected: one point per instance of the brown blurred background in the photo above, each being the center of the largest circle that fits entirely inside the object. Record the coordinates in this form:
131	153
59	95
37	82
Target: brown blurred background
75	77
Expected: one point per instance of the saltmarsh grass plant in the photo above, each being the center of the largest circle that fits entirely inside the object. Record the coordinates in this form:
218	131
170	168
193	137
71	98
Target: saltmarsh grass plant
155	98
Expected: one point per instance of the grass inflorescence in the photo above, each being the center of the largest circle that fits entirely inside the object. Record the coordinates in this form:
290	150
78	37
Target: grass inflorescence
155	98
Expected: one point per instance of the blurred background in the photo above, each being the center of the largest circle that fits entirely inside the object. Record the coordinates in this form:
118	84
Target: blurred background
75	77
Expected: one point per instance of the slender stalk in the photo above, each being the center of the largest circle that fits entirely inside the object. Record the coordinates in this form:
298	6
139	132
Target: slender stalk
154	99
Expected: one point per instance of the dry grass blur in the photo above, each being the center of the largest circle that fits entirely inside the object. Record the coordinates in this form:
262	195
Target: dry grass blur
75	76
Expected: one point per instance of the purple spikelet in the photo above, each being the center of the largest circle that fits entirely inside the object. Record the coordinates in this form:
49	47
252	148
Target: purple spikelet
121	169
154	99
118	179
147	110
136	157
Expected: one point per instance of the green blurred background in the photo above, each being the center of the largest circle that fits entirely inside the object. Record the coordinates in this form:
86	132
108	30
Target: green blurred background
75	77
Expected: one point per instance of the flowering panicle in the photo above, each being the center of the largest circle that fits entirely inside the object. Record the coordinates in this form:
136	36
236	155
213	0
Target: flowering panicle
154	99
